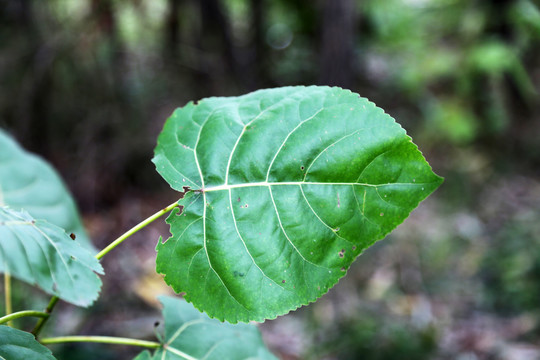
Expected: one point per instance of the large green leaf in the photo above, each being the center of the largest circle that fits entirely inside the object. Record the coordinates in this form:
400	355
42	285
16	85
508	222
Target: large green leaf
293	184
42	254
30	183
192	335
19	345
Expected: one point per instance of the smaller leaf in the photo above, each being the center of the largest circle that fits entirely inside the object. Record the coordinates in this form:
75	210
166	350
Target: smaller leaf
29	182
42	254
19	345
145	355
190	334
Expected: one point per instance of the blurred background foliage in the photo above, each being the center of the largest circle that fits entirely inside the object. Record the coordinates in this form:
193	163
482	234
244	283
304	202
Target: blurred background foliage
87	84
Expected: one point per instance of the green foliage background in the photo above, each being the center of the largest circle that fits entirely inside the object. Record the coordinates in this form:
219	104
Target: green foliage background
87	85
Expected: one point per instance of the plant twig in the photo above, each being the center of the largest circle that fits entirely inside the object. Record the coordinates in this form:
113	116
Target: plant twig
43	320
19	314
103	340
7	295
104	252
134	229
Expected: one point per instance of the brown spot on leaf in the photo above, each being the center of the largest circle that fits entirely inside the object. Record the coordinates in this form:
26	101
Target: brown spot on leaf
181	212
238	199
342	253
72	236
283	281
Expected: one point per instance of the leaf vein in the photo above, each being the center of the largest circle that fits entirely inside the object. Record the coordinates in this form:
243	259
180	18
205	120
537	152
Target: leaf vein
371	162
363	208
243	132
332	144
287	138
387	202
182	328
179	173
245	246
59	254
285	233
315	213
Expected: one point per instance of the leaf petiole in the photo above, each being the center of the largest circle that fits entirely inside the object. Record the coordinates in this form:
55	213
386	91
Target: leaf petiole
19	314
101	339
134	229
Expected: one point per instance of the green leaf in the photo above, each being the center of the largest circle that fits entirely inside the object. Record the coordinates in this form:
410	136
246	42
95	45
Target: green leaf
19	345
30	183
191	335
145	355
294	184
42	254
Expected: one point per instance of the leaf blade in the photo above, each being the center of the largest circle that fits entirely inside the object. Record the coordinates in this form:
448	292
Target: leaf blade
289	199
20	345
42	254
192	335
30	183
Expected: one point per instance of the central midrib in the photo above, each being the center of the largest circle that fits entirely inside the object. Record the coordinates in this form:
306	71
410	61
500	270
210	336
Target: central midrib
298	183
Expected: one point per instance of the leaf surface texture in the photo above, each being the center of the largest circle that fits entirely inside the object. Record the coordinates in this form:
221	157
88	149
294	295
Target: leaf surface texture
192	335
295	183
42	254
20	345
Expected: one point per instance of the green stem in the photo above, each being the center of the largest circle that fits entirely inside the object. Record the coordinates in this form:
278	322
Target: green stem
7	295
43	320
19	314
134	229
101	339
104	252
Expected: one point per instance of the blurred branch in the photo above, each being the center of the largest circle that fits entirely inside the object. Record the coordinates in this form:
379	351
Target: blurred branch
337	43
7	297
172	28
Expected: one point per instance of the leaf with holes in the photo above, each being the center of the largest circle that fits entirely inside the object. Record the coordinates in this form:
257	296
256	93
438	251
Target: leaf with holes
30	183
42	254
20	345
191	335
291	185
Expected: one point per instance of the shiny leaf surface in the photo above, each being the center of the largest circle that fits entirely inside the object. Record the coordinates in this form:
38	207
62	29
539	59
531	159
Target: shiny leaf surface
293	184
